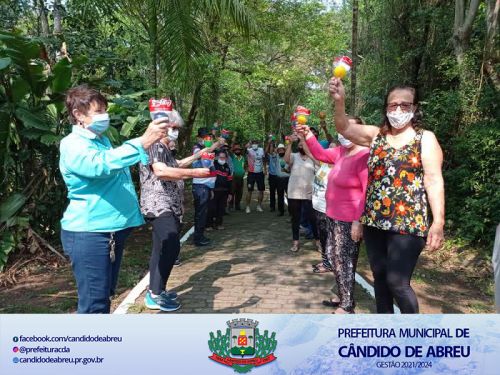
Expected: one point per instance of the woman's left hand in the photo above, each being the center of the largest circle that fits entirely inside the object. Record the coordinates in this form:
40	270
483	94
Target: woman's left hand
435	238
356	231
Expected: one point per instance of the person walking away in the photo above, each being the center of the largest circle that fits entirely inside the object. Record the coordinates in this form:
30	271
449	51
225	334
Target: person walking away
282	176
271	159
221	190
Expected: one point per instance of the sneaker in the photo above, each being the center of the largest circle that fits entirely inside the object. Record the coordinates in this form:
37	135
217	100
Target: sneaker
281	214
177	262
202	242
169	294
209	229
259	208
220	227
247	210
161	303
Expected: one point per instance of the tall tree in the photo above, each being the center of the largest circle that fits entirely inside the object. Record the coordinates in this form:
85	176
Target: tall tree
464	18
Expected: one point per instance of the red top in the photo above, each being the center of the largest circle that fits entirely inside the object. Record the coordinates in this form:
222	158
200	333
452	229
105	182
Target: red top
347	181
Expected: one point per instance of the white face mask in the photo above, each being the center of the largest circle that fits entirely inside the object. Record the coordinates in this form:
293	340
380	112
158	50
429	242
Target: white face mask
173	134
345	142
222	162
399	119
255	146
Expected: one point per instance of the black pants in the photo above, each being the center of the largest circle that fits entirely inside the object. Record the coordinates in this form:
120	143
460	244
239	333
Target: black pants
201	196
281	188
216	208
273	185
295	207
237	192
322	227
393	258
166	248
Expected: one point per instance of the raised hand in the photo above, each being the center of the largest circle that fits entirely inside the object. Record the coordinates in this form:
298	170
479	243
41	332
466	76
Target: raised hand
336	89
156	130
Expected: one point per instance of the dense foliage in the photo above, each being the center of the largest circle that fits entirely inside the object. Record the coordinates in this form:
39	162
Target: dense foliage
247	63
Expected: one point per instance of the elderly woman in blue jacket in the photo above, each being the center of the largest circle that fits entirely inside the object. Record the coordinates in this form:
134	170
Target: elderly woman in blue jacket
103	206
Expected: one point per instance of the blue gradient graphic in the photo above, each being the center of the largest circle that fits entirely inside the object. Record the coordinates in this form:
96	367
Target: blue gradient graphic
178	344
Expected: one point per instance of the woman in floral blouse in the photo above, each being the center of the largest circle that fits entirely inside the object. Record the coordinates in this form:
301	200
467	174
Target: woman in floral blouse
404	175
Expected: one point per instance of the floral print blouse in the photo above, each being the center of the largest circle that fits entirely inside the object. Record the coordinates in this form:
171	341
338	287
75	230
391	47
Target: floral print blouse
396	199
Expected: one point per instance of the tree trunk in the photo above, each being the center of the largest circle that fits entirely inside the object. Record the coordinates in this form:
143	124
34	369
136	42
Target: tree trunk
491	52
42	16
463	27
57	17
153	40
193	112
355	12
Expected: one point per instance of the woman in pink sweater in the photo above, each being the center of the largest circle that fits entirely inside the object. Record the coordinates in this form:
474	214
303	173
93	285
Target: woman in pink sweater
345	201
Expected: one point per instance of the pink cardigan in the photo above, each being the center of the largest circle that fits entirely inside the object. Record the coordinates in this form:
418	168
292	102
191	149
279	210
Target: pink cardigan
347	181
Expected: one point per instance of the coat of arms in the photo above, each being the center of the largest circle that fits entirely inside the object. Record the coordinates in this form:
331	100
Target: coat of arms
242	346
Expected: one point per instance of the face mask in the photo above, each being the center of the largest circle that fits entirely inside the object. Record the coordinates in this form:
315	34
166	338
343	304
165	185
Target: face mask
255	146
399	119
173	134
344	141
100	123
281	154
207	143
222	161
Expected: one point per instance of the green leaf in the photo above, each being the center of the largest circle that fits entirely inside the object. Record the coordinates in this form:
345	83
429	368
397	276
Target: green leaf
61	76
7	244
20	88
31	120
5	62
129	125
113	135
11	205
50	139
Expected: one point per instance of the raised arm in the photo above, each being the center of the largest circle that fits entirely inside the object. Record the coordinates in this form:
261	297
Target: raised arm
432	161
288	155
162	171
329	155
362	135
328	136
186	162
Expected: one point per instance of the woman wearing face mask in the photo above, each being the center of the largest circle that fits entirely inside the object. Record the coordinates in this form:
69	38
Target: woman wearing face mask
404	173
345	198
162	196
103	205
221	190
299	194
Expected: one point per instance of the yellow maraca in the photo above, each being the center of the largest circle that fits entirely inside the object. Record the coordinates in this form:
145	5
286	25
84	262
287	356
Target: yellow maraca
301	120
339	72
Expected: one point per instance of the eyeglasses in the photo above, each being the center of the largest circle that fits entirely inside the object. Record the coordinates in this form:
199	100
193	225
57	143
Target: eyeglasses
405	106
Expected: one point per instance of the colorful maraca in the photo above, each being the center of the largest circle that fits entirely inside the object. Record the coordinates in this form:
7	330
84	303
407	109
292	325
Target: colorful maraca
341	66
302	114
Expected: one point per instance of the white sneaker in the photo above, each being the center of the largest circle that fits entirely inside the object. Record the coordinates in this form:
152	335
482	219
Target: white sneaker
259	208
247	210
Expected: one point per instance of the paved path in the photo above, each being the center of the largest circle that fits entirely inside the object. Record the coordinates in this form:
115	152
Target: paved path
249	268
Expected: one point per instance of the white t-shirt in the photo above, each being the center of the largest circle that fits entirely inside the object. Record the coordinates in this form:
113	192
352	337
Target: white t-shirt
301	178
255	159
319	187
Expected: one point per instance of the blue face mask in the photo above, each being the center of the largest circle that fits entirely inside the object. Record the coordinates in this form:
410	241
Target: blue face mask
100	123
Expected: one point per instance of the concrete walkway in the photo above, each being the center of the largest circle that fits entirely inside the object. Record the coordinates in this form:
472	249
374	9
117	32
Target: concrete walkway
249	268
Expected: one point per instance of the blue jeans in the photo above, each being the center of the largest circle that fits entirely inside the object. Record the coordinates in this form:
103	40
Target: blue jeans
96	276
201	195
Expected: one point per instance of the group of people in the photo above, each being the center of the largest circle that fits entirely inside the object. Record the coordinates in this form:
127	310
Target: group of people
376	185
